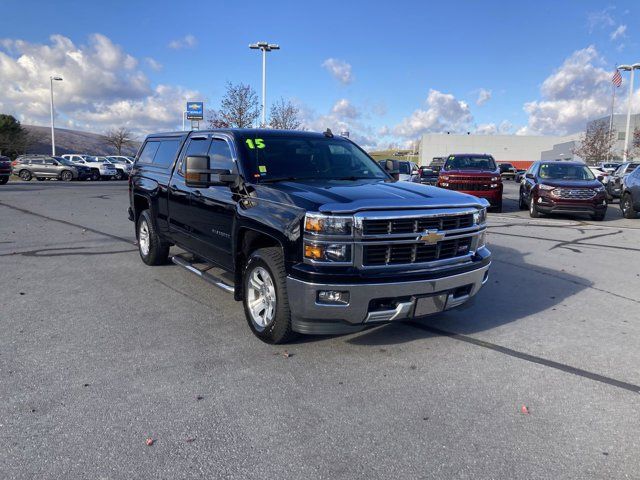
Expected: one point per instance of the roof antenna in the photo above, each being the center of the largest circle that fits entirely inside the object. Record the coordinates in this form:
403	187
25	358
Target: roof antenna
328	133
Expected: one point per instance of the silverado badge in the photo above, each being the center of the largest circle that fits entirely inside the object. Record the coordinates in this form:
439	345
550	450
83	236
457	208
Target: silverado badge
431	237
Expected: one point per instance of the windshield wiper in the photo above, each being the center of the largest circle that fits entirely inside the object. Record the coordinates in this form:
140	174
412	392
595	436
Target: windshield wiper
278	179
351	178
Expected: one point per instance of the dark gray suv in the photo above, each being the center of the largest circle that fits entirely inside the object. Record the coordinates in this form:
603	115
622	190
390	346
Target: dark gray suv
43	167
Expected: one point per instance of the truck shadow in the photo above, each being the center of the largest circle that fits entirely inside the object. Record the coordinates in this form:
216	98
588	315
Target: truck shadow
515	290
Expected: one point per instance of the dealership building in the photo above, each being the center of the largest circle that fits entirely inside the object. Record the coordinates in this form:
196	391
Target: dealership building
520	150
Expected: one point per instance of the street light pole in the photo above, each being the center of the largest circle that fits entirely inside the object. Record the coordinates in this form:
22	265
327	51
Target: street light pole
627	135
265	47
53	130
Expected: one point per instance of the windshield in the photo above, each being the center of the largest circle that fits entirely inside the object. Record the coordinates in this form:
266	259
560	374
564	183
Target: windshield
96	159
117	160
559	171
275	157
468	162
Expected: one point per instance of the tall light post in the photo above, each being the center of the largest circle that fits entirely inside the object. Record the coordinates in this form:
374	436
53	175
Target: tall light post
627	136
53	131
265	47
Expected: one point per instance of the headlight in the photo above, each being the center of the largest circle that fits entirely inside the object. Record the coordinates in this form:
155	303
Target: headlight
480	216
542	186
327	252
599	189
495	179
444	178
327	225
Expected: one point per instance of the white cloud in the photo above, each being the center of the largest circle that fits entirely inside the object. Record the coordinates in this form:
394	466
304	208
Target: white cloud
619	32
343	108
504	128
484	96
443	113
153	64
102	87
188	41
340	70
600	19
578	91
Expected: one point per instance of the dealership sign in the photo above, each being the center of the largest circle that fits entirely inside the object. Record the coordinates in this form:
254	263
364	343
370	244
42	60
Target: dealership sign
195	110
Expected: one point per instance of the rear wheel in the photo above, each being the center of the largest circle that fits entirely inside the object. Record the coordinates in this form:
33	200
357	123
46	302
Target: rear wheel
25	175
626	206
522	205
152	250
266	303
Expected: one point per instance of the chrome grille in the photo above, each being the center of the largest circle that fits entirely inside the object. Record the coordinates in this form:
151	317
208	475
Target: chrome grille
574	193
415	225
469	187
407	253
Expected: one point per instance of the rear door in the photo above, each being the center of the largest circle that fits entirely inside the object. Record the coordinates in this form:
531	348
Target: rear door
38	168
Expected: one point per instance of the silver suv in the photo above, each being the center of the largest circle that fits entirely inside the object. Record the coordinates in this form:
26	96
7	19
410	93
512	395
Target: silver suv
43	167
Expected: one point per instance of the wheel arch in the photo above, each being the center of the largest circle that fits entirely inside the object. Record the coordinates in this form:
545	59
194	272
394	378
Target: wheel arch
248	241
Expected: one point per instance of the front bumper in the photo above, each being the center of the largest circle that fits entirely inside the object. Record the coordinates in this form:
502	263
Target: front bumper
548	204
376	303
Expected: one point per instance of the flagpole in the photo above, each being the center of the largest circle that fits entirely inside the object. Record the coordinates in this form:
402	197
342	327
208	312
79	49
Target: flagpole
613	101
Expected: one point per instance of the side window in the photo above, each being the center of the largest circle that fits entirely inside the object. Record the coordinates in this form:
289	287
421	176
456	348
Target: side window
35	162
148	152
166	153
49	161
197	146
220	155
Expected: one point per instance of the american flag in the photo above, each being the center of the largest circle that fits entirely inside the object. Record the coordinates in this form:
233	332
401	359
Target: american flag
617	78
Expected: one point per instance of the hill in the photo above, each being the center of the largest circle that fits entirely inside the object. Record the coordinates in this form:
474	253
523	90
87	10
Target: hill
71	141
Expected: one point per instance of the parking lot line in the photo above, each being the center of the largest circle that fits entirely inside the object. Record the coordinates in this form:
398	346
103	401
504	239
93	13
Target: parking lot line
528	357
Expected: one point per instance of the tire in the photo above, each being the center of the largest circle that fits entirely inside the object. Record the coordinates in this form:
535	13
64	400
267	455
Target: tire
626	206
266	267
533	210
118	175
522	205
152	250
4	179
25	175
66	176
95	175
598	217
498	207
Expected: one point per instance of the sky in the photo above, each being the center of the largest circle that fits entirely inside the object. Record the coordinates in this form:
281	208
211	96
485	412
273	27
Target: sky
385	71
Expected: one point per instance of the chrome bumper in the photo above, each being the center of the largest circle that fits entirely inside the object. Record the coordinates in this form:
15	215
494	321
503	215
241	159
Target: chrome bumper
415	299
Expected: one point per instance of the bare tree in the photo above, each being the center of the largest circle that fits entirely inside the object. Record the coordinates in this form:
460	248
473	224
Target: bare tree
120	138
215	121
597	143
285	115
239	107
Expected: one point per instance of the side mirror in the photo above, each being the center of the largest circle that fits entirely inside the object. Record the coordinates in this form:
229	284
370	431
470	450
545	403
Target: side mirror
196	171
391	166
530	176
414	172
600	178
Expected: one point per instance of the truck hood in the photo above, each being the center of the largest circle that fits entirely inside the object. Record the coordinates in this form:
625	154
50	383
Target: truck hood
336	196
471	173
572	183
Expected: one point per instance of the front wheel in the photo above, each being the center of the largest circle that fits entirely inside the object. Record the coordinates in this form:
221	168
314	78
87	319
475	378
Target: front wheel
95	175
598	217
66	176
626	205
522	205
4	179
118	175
151	248
266	303
533	209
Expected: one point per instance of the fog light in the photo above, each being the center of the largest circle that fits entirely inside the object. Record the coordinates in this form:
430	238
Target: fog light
333	297
444	184
539	199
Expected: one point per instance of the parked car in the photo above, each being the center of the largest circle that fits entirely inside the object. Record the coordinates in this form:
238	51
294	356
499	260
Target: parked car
43	167
5	169
105	167
428	176
314	237
507	170
519	176
437	163
630	199
614	185
79	160
609	166
562	187
84	172
122	164
475	174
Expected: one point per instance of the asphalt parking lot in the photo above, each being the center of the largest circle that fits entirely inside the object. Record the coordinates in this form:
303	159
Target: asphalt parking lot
99	352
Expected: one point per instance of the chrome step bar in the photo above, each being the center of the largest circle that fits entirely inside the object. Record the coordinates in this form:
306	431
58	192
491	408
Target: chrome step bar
212	279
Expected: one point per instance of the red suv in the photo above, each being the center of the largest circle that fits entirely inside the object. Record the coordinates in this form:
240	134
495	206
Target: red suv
562	187
475	174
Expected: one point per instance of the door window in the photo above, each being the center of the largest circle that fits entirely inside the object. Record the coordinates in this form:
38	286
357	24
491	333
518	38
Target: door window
148	152
166	153
220	155
197	146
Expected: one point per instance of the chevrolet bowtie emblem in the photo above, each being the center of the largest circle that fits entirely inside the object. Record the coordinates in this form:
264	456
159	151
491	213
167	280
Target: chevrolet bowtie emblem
431	237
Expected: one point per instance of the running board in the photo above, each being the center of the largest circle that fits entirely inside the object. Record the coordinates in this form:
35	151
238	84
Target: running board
212	279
